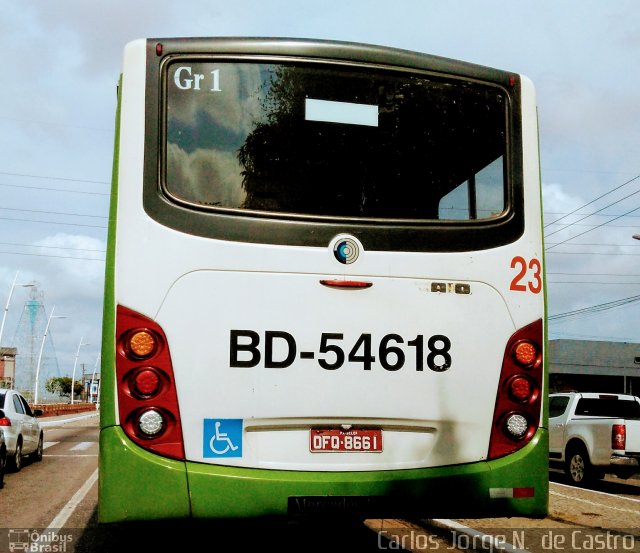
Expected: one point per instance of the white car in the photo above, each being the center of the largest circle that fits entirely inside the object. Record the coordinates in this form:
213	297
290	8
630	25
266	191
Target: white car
22	432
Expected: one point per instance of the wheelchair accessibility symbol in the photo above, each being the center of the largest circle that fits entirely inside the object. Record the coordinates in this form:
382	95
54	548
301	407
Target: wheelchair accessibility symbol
222	438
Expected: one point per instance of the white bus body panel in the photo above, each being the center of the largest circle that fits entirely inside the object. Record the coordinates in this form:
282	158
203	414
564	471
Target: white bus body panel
428	418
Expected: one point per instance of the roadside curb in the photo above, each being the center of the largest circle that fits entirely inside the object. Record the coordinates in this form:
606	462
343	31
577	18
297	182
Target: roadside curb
59	422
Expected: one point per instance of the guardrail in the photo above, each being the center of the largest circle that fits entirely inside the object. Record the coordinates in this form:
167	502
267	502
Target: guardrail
55	409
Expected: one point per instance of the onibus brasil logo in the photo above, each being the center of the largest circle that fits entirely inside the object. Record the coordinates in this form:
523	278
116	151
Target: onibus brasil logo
43	541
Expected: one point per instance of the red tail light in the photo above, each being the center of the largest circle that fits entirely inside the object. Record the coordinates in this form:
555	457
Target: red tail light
517	413
147	398
619	437
4	421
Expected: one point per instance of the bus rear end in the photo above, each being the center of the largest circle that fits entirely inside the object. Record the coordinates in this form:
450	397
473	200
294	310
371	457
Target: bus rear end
325	286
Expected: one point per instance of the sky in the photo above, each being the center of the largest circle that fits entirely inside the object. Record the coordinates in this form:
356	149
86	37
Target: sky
58	100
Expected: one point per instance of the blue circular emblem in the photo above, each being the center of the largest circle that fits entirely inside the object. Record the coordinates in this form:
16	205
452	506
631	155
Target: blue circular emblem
346	250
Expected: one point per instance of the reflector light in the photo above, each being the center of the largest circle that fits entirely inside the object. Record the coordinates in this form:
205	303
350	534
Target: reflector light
346	283
142	343
520	388
511	493
519	493
525	353
151	423
516	425
146	382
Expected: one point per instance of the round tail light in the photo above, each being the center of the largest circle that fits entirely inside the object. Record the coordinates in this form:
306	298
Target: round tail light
516	426
146	383
142	344
525	353
151	423
520	388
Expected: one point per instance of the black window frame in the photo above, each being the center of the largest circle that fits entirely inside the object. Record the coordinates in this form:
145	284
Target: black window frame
25	405
283	229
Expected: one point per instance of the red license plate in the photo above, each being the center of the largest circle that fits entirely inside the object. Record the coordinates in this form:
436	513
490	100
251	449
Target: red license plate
335	440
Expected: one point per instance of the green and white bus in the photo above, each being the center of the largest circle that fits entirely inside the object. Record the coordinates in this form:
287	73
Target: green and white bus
325	285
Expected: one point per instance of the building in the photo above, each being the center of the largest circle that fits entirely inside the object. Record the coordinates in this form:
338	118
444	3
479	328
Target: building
590	366
91	387
7	367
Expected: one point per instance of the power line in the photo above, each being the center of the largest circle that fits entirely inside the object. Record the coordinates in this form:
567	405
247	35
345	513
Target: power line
596	227
597	244
594	213
55	256
593	253
592	336
591	274
48	177
593	201
52	247
603	215
55	189
52	222
635	225
593	282
596	308
54	212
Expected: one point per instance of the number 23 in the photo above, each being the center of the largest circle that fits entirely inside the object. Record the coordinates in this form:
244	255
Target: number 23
534	284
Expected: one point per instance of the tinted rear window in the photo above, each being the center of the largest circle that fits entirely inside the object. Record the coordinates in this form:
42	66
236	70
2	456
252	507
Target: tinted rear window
558	405
334	141
617	408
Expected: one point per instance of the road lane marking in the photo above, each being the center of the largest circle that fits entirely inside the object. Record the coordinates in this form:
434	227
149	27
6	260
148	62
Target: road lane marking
61	518
72	455
82	446
45	445
596	492
595	504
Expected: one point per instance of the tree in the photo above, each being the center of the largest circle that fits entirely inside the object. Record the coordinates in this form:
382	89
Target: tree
61	385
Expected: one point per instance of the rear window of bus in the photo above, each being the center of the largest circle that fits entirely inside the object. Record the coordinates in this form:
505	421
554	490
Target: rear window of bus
334	141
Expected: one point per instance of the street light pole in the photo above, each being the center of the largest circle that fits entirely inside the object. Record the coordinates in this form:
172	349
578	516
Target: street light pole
73	377
6	307
44	337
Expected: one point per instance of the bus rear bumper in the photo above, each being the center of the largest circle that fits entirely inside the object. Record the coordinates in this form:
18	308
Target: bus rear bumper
138	485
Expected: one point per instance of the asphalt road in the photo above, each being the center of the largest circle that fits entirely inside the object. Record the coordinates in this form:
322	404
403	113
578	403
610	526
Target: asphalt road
55	501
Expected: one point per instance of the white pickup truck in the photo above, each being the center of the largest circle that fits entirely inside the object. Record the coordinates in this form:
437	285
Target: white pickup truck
593	434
